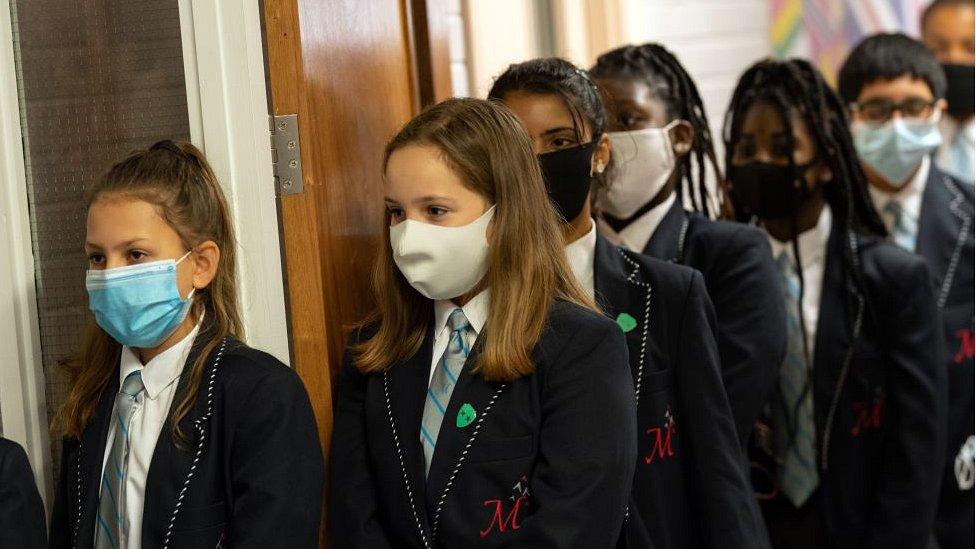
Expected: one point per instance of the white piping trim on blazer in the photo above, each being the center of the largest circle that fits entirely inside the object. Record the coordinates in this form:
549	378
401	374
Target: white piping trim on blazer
198	424
632	278
464	454
851	349
960	240
403	467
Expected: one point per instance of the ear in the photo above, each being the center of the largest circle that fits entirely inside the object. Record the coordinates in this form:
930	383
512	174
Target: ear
941	105
205	258
601	156
682	137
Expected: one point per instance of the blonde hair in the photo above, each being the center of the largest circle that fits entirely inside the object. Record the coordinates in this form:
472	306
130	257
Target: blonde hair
490	150
178	181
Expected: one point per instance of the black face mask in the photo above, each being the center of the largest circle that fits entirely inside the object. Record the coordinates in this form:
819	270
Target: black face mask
959	94
567	176
768	191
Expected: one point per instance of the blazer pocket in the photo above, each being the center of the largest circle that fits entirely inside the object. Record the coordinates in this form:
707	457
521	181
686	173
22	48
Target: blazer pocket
500	449
655	382
192	518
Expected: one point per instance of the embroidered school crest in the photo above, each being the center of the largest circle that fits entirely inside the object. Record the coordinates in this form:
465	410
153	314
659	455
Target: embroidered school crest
868	415
965	351
662	438
505	512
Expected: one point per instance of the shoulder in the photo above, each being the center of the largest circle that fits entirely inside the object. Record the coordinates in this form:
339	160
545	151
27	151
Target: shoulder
573	336
665	278
242	368
567	319
12	455
891	269
954	190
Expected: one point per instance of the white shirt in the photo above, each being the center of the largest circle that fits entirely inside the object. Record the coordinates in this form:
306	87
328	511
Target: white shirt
813	259
957	154
908	197
636	235
476	311
581	255
148	416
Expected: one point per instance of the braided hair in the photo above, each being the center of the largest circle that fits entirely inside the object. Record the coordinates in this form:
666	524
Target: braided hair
670	83
555	76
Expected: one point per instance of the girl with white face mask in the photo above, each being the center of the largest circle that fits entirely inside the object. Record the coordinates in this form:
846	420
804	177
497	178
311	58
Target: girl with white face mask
666	315
485	402
661	140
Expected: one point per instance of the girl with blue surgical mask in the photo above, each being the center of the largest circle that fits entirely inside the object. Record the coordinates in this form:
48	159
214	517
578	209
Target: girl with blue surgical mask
176	433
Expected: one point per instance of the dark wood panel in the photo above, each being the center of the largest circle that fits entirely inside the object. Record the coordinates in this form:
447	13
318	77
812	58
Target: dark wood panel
431	33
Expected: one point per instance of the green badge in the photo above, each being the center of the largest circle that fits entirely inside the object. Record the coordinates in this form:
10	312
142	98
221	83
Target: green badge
626	322
466	415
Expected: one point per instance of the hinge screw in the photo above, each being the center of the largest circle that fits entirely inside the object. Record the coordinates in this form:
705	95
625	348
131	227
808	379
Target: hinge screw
287	184
282	125
292	144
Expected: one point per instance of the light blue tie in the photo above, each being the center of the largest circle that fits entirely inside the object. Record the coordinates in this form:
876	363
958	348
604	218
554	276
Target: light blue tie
904	228
442	384
111	513
798	473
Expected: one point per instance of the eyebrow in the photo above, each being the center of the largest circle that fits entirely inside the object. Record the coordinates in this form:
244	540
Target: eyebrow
123	245
552	131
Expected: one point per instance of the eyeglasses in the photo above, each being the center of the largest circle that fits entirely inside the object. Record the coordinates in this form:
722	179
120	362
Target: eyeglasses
881	110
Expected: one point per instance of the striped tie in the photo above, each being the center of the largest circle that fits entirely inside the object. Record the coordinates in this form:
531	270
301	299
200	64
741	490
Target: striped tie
442	384
905	227
798	474
111	500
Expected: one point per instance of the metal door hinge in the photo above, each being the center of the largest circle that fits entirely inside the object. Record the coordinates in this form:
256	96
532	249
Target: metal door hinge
286	155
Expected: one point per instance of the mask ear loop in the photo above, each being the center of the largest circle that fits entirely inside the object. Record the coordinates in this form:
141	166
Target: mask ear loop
192	290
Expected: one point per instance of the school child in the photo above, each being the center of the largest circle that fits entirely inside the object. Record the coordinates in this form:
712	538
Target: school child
852	442
894	88
176	433
486	403
22	520
948	30
664	148
690	488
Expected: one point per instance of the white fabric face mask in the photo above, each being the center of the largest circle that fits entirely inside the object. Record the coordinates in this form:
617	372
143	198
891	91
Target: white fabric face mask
643	162
442	262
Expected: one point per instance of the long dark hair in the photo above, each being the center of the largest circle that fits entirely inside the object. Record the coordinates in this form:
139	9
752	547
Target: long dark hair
670	83
555	76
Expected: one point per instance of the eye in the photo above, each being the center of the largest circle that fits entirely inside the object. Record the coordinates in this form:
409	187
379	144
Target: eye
137	255
396	213
746	149
96	260
436	211
561	143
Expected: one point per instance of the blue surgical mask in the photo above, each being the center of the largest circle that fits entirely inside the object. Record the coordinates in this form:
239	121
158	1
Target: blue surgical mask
138	305
896	148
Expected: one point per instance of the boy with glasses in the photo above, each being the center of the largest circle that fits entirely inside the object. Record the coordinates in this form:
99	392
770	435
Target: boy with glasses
895	90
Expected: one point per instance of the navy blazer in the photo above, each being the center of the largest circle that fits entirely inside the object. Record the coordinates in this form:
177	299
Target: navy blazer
252	476
548	462
21	509
690	489
945	240
879	391
742	281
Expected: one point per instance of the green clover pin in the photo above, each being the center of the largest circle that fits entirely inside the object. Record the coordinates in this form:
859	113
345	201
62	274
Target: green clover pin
466	415
626	322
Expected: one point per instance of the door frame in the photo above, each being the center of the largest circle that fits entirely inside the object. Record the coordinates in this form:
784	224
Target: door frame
228	114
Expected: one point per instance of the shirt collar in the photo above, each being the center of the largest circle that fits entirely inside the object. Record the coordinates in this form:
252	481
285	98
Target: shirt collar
582	253
636	235
908	197
475	310
812	242
163	369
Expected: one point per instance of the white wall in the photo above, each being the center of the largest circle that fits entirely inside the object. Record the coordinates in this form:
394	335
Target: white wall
501	32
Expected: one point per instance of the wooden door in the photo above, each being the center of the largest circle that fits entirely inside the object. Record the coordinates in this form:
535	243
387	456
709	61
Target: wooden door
348	68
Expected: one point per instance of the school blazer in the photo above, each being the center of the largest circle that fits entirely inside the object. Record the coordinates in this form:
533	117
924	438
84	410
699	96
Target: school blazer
252	475
690	489
547	462
21	510
741	279
945	240
879	399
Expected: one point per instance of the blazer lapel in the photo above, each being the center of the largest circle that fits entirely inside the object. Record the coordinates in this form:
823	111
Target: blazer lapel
625	296
458	429
92	454
942	230
665	243
406	386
